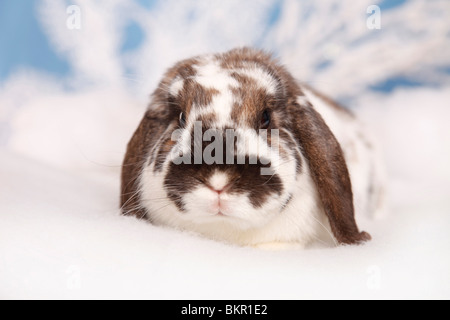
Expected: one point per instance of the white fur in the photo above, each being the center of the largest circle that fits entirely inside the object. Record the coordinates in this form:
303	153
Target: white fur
218	181
176	86
211	75
261	77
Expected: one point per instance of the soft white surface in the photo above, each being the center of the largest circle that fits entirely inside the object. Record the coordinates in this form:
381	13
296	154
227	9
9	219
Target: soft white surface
61	235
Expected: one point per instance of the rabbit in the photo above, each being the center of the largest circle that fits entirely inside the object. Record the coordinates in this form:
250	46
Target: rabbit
249	195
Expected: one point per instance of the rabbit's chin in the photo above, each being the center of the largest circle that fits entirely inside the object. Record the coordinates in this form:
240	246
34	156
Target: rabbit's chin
206	209
203	206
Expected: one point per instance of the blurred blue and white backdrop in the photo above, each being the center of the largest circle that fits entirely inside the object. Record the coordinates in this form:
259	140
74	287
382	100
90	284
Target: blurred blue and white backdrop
75	76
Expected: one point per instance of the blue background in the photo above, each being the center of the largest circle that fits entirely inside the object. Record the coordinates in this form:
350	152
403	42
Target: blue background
25	44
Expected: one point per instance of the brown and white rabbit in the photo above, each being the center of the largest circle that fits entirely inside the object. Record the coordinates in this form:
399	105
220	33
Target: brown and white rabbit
308	194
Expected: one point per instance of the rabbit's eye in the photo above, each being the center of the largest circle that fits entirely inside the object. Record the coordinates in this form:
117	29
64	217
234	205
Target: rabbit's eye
182	119
265	119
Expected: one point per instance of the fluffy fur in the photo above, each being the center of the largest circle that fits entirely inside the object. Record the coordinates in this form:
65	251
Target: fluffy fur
307	197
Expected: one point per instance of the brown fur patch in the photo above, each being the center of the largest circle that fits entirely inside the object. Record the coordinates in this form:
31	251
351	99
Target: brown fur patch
162	111
163	153
195	94
145	137
251	105
208	120
244	178
329	172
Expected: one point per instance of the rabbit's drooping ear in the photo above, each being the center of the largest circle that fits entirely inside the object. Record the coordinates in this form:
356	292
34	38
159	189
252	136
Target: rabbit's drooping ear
151	128
328	171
